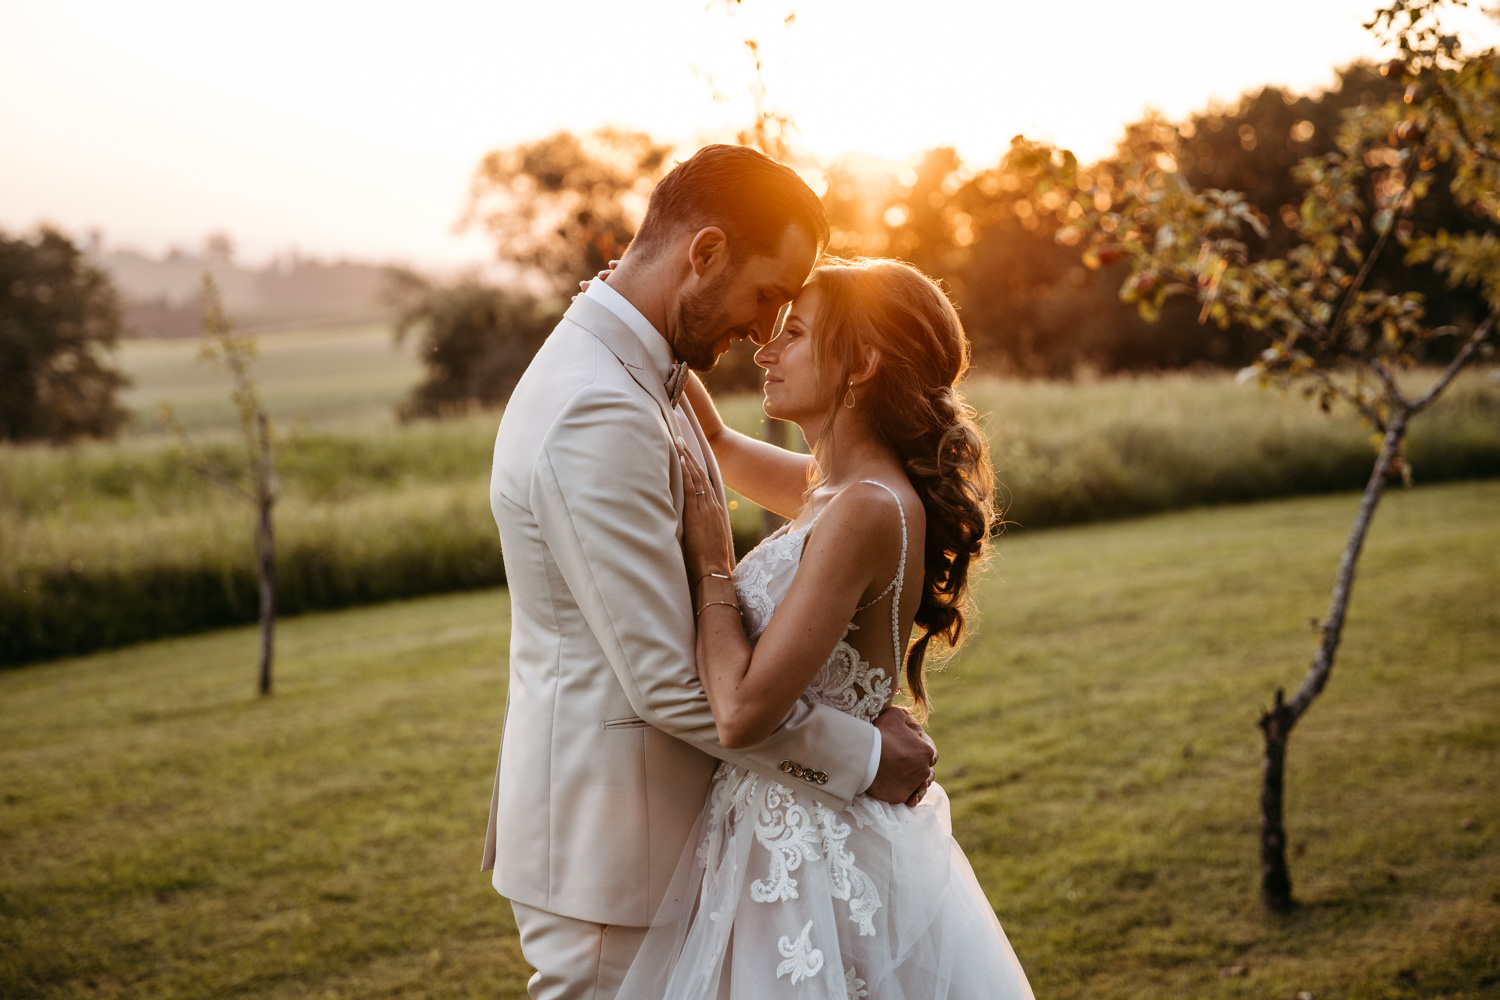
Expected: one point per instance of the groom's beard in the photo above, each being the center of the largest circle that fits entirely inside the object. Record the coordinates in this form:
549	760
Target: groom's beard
701	326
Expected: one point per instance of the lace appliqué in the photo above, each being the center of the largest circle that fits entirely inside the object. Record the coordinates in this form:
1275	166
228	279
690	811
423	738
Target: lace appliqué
785	829
728	797
803	961
755	574
791	835
854	987
850	684
850	883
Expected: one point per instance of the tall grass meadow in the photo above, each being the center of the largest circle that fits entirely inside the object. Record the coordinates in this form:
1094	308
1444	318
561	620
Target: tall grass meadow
103	545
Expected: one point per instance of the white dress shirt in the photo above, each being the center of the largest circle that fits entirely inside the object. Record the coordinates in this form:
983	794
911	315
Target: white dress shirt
661	358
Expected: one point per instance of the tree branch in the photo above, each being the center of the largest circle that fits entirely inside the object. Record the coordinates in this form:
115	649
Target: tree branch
1459	360
220	483
1364	409
1483	149
1303	319
1400	201
200	466
1389	381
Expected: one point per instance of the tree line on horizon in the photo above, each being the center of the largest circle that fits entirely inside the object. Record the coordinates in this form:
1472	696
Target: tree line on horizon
160	296
561	207
1033	305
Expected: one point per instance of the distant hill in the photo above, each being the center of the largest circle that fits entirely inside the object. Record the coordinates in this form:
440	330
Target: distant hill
160	295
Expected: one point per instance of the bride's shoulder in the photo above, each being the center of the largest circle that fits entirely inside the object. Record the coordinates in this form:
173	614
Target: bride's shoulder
890	498
871	514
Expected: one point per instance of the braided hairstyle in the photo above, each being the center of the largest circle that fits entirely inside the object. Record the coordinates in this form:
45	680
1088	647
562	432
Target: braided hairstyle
914	404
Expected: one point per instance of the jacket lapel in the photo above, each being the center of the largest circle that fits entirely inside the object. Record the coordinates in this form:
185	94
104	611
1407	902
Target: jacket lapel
627	347
623	344
708	453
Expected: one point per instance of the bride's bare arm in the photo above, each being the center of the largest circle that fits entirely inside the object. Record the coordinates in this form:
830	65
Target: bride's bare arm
751	692
773	477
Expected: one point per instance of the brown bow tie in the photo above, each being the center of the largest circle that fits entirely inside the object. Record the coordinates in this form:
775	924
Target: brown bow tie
677	377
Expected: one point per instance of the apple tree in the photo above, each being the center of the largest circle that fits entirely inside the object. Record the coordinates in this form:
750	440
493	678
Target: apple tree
1340	335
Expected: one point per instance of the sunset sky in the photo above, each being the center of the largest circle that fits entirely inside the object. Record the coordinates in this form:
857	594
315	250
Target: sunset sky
350	129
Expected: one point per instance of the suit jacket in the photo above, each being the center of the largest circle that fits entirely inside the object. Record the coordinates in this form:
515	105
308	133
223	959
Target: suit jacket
608	745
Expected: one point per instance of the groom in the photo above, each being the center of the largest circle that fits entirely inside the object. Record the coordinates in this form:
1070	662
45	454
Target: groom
609	746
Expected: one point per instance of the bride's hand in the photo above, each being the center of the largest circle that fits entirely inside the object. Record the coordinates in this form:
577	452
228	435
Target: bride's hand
603	275
707	547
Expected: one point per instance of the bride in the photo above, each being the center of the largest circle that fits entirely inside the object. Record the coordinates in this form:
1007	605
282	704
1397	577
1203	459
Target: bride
778	894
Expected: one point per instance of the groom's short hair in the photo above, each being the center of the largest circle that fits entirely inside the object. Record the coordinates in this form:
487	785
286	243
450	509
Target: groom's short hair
743	192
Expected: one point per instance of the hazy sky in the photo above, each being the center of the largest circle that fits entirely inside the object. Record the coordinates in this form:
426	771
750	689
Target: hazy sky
351	128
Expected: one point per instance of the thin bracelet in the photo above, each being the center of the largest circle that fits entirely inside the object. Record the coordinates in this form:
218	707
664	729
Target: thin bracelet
709	604
718	576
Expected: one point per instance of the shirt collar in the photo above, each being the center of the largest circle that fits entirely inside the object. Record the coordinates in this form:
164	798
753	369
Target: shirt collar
655	344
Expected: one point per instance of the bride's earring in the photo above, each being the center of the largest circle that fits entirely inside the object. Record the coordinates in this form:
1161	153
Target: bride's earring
849	395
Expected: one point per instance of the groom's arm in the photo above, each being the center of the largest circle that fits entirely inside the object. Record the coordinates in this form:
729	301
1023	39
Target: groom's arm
602	494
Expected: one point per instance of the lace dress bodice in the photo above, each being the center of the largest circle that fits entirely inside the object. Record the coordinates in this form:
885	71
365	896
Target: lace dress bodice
847	682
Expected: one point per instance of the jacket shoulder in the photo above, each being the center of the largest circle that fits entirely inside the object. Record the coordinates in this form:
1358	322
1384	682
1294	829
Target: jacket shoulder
571	361
574	392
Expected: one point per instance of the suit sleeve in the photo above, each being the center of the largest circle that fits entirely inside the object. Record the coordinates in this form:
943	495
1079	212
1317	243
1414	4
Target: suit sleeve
603	496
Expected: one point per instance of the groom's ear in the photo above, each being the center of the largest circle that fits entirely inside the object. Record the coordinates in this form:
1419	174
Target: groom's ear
708	252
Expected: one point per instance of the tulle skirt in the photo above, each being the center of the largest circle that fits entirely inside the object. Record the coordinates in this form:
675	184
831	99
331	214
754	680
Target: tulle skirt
780	896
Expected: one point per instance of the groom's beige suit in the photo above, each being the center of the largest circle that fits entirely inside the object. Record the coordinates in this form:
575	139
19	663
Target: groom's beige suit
608	745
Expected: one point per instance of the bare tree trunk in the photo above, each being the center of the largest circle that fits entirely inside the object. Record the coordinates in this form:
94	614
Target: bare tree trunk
1276	723
265	553
1275	877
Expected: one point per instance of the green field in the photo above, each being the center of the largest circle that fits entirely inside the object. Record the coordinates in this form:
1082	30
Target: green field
104	544
350	375
166	834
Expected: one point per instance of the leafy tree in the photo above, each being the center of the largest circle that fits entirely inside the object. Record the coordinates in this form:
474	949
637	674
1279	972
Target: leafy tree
59	317
1342	330
1029	304
924	220
564	206
476	340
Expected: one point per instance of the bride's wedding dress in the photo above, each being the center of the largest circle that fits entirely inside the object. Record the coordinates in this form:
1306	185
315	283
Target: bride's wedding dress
781	896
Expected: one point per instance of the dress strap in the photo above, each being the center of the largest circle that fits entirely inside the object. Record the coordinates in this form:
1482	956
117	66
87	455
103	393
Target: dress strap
895	581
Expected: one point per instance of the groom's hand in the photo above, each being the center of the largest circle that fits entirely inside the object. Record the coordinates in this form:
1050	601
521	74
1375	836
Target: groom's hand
907	755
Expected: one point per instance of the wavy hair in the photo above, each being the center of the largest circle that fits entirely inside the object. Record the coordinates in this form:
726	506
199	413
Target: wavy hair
916	406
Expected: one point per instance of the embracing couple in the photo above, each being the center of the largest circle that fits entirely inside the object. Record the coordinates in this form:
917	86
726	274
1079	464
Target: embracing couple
703	790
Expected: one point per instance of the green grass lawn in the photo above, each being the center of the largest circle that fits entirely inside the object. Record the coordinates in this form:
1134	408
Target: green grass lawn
165	834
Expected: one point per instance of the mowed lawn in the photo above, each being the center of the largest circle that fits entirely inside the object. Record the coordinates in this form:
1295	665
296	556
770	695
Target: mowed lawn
165	834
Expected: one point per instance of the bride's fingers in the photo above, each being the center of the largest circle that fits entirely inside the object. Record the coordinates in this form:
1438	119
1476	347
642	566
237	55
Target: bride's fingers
692	474
691	463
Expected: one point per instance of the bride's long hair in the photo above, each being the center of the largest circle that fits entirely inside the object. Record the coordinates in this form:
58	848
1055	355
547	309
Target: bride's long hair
915	404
